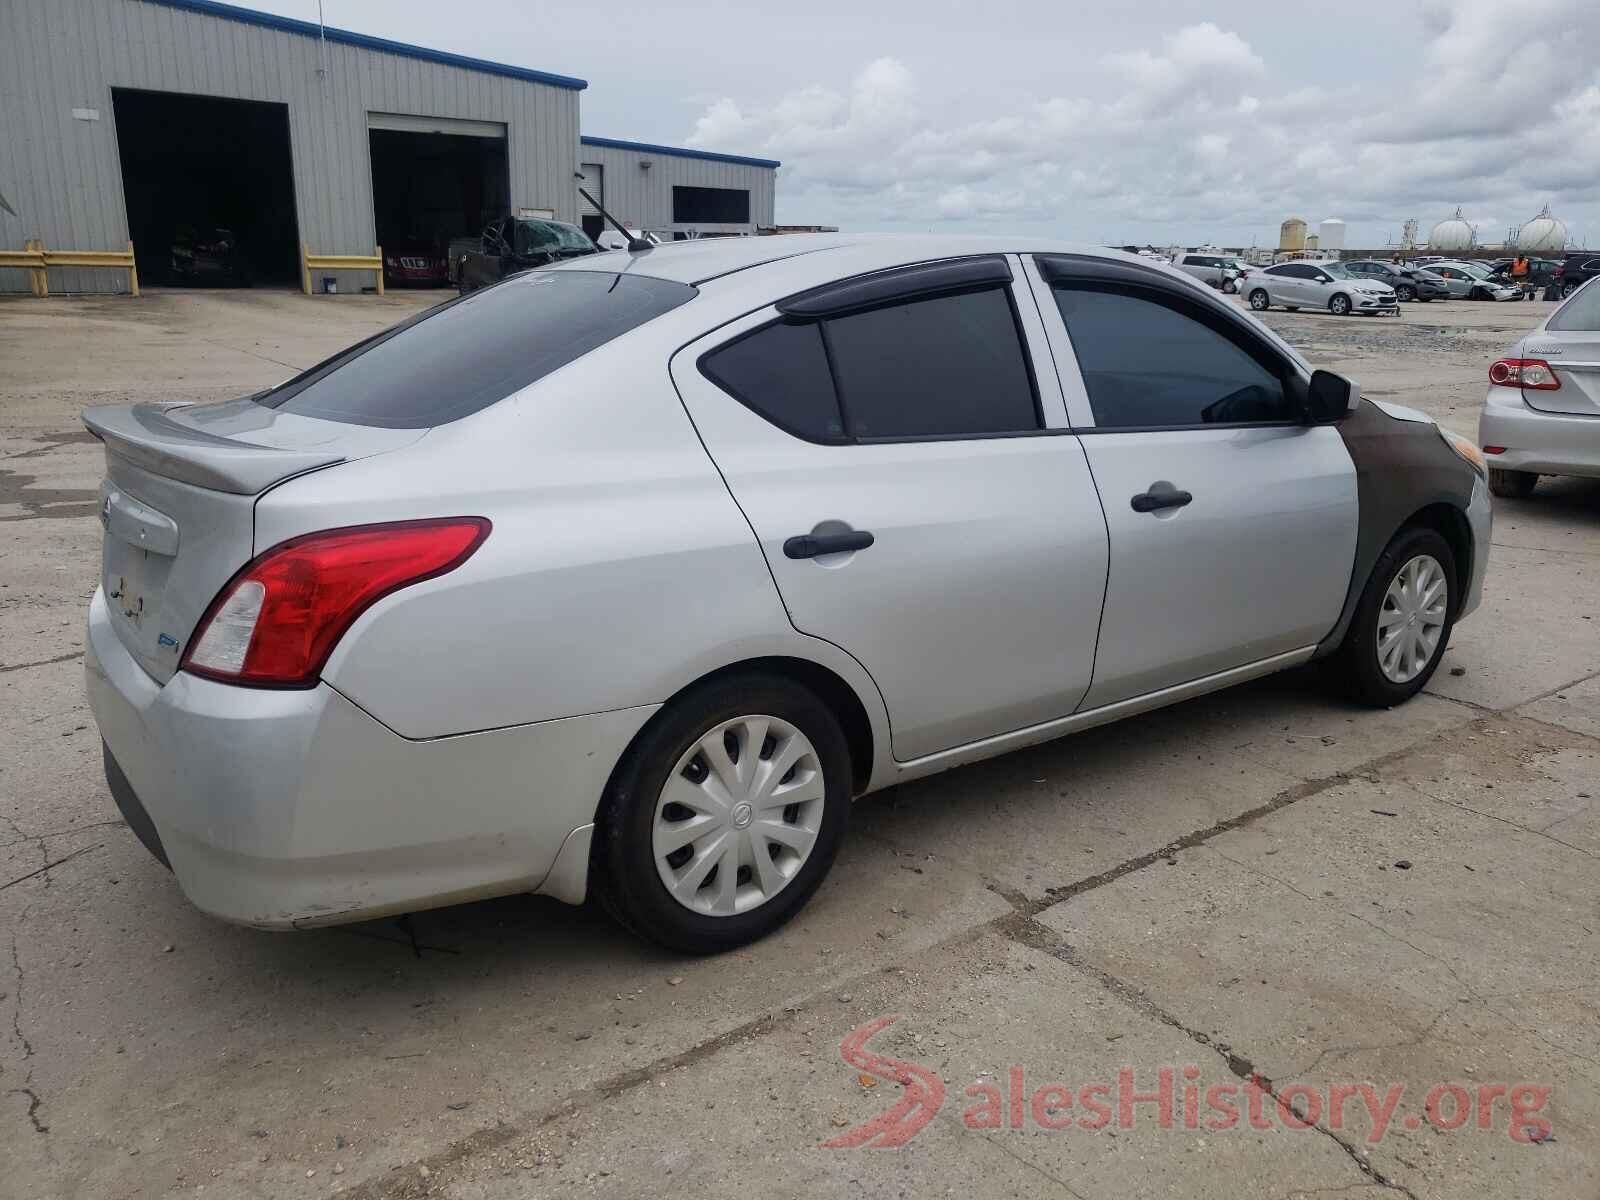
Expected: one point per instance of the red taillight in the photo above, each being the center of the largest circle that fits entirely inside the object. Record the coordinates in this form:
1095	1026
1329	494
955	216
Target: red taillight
1533	374
1494	449
277	621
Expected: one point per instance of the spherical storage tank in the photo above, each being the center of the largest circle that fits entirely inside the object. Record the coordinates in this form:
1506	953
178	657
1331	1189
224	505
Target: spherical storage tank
1331	234
1452	235
1292	234
1542	235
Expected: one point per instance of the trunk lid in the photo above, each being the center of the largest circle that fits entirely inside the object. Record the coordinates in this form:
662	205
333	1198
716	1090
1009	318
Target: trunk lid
1574	356
178	504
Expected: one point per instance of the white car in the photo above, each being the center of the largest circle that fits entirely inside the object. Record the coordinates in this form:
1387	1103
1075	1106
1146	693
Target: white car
628	575
1327	285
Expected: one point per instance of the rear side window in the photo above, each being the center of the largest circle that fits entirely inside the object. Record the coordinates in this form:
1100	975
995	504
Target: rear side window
1580	314
1146	365
949	365
781	371
468	354
927	367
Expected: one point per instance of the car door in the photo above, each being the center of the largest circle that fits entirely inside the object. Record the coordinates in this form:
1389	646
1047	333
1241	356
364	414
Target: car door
899	448
1457	280
1280	284
1232	522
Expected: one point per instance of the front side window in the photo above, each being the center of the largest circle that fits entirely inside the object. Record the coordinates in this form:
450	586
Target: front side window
923	367
1148	363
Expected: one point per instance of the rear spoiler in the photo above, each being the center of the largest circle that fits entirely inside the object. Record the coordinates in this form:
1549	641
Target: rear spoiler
144	435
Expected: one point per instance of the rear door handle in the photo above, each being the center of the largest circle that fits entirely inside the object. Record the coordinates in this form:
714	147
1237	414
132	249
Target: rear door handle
1151	501
811	545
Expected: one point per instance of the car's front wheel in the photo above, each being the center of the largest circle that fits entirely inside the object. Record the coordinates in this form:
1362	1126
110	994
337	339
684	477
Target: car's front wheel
1512	484
1259	300
724	815
1404	293
1402	623
1339	306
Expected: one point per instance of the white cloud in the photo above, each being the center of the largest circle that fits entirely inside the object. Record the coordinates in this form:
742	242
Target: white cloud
1199	136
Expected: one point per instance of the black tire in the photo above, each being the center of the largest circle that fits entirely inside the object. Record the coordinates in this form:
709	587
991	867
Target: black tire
1405	292
1568	288
1355	664
1229	287
1516	485
1259	300
1339	306
1291	308
623	870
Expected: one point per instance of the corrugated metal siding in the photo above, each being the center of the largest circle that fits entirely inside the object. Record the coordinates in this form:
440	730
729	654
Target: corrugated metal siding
64	178
643	198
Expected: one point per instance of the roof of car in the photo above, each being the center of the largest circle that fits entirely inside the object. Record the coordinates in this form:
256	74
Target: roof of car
703	259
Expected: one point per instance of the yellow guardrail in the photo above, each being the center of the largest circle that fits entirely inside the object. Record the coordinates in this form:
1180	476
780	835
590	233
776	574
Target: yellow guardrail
37	261
338	262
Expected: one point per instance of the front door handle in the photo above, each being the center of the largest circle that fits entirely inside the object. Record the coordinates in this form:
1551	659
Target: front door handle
1152	501
811	545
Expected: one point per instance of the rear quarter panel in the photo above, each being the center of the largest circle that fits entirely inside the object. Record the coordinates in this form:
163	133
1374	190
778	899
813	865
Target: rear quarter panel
619	569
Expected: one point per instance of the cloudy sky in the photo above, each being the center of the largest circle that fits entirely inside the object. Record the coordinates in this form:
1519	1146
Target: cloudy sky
1155	121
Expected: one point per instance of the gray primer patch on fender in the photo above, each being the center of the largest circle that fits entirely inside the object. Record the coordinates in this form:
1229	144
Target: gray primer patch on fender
1402	466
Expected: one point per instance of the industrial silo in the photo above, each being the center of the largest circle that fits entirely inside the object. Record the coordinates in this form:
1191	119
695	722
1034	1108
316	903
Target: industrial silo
1330	234
1292	234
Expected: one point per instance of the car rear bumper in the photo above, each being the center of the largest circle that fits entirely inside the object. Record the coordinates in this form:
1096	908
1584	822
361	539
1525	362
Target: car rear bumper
1539	442
285	809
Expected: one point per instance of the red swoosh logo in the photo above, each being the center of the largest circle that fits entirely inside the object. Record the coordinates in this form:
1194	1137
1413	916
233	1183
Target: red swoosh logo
897	1125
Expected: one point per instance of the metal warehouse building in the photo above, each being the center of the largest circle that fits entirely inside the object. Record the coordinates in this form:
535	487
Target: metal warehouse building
149	120
675	192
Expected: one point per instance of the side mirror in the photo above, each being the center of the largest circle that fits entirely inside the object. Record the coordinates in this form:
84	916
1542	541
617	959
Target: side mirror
1331	397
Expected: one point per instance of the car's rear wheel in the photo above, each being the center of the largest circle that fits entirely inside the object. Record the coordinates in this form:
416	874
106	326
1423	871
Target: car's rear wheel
1229	287
1405	292
1402	622
1339	306
725	814
1259	300
1514	484
1567	289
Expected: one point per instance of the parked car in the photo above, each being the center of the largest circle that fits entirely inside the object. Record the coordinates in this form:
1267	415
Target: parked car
1426	259
415	262
1409	283
1213	270
626	575
514	244
1469	281
1577	268
1542	413
208	257
1541	273
1328	285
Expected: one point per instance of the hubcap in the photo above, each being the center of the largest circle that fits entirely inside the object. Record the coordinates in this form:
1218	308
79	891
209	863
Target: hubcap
1412	618
738	816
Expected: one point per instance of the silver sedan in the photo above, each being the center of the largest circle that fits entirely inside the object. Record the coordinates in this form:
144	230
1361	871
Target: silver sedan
1542	413
624	577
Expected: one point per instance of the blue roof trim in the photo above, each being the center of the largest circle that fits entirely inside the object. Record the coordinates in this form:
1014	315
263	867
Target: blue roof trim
710	155
250	16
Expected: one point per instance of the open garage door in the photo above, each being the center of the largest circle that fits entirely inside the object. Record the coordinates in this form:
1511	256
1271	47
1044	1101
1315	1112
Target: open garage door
209	187
434	180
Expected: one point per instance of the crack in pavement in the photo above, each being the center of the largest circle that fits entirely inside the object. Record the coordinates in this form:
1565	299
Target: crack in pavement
1027	930
43	662
55	833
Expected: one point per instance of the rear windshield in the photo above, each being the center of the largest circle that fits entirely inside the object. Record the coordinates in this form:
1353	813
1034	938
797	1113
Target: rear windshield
465	355
1580	314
